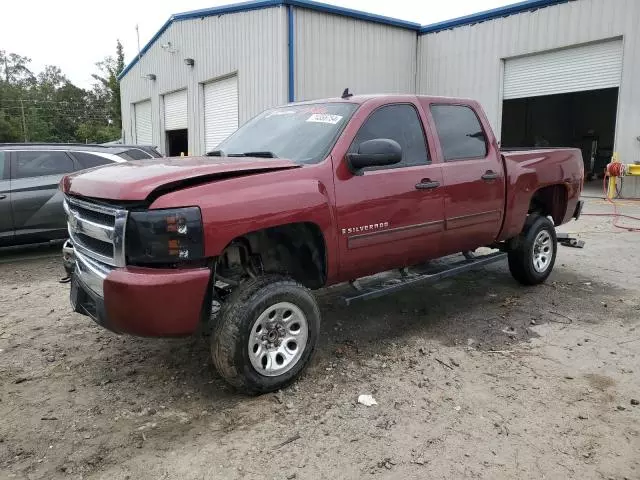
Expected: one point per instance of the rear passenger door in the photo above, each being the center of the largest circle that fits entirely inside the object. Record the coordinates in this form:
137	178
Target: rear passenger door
474	181
36	201
6	218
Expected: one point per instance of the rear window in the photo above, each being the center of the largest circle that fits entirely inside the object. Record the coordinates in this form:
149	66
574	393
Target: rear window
137	154
41	163
124	155
460	133
88	160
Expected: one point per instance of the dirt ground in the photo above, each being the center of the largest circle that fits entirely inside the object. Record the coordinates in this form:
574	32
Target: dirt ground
475	377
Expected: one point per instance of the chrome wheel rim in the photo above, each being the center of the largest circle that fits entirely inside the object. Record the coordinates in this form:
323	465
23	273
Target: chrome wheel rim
542	251
278	339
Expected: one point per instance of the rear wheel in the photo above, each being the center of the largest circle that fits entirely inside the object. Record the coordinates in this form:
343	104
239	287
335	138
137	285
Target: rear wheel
266	333
532	261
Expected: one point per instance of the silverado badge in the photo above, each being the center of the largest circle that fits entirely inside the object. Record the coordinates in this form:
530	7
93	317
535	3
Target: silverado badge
365	228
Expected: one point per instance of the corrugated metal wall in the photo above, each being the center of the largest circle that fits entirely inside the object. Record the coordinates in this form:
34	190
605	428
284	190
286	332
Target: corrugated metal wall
467	61
334	52
252	43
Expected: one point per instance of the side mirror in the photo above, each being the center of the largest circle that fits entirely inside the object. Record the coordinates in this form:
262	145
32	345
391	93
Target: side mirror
378	152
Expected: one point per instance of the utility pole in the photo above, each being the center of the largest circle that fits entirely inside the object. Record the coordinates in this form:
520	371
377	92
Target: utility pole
24	122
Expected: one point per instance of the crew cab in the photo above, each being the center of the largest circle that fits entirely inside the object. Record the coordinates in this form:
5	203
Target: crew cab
302	197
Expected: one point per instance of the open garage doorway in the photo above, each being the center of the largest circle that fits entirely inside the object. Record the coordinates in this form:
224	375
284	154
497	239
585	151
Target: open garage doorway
585	120
177	142
564	98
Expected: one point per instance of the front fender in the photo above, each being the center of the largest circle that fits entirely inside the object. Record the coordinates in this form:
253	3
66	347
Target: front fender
233	208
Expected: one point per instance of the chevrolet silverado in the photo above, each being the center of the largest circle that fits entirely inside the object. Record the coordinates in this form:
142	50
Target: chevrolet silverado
302	197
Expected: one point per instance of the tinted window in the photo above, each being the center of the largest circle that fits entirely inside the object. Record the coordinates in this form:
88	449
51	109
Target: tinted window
124	155
137	154
400	123
461	135
88	160
39	164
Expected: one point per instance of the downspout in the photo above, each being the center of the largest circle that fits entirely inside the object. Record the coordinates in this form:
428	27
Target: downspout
415	73
290	39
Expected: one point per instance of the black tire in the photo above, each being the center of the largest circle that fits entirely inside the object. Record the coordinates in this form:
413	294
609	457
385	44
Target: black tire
231	334
522	257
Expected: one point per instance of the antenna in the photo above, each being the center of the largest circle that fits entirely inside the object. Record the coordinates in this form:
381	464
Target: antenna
346	94
138	37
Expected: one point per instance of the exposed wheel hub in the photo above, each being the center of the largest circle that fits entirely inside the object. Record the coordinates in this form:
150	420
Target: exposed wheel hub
274	336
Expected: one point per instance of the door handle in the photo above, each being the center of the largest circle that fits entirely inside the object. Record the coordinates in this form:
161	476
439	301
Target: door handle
427	185
489	175
2	197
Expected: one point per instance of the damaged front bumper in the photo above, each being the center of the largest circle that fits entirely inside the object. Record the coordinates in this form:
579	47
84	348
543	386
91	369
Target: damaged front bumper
149	302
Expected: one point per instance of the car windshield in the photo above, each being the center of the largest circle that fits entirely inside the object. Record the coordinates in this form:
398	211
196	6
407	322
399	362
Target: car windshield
302	133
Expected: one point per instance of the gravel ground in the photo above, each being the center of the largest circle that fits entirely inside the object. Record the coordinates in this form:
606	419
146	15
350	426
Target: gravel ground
475	377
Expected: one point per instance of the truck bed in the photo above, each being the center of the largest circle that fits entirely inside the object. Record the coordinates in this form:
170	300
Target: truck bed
531	169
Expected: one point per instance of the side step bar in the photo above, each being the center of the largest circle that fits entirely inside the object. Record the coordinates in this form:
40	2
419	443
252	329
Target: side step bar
428	275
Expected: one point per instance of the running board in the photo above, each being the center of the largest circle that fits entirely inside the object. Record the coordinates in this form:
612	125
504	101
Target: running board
428	274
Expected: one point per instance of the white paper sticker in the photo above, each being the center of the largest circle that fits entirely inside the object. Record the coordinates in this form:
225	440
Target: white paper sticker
324	118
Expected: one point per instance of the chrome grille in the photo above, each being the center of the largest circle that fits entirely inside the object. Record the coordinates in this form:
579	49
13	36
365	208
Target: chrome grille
97	231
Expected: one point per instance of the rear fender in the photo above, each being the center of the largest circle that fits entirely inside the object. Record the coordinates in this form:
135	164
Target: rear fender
528	173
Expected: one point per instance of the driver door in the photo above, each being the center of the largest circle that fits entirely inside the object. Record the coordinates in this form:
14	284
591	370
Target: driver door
392	216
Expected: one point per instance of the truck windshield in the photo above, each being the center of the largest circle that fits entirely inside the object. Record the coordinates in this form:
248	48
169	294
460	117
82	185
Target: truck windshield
302	133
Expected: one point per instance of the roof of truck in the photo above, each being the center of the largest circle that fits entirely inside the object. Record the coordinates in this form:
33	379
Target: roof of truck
360	99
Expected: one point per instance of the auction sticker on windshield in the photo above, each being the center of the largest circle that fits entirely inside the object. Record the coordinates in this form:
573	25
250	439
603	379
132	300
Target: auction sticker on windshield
324	118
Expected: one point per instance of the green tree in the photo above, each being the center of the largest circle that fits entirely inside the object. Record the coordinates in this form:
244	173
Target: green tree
47	107
14	69
107	85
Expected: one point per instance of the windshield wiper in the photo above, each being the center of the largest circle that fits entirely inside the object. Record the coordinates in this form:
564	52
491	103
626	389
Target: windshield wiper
215	153
259	154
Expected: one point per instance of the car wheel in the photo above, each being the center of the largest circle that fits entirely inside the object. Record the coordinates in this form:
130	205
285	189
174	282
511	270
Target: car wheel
532	260
266	334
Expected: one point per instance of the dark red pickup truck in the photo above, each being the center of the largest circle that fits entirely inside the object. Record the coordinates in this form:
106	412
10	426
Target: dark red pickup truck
301	197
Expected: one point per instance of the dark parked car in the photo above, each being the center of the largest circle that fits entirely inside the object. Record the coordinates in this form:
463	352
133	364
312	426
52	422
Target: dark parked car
30	203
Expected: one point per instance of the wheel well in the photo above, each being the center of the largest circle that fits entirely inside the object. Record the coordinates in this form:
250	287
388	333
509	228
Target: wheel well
297	249
551	202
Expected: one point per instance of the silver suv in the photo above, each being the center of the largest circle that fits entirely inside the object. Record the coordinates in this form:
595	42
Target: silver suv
30	202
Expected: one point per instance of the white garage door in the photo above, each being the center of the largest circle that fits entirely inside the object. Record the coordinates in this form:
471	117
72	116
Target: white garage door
144	134
175	110
220	111
588	67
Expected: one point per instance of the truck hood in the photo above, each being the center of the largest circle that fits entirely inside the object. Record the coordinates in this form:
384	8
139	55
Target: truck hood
138	180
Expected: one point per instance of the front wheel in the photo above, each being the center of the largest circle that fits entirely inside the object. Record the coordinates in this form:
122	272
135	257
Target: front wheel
265	334
532	261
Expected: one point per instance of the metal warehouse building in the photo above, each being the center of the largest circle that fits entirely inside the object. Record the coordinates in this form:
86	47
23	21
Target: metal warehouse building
547	72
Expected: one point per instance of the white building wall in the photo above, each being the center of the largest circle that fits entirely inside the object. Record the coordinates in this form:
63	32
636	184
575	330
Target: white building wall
468	60
333	52
252	44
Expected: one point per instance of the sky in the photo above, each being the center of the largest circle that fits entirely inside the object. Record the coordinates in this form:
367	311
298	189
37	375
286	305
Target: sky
75	34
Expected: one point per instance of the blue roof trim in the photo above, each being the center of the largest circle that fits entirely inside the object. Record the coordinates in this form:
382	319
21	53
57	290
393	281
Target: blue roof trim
347	12
259	4
232	8
490	15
